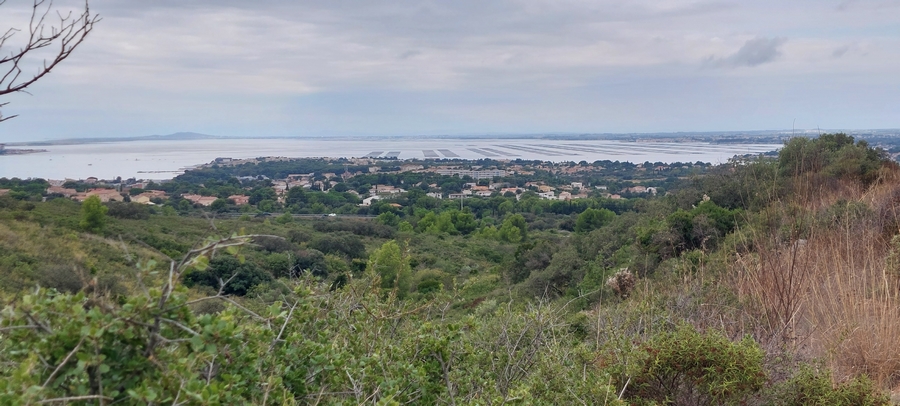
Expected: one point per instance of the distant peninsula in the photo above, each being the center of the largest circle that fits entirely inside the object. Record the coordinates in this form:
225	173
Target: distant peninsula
179	136
879	136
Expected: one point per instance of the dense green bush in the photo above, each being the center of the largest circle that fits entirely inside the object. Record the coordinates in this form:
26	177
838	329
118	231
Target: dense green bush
814	387
687	367
241	277
132	211
364	228
345	244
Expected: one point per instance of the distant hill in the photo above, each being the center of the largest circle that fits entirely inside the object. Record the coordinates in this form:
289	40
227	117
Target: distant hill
179	136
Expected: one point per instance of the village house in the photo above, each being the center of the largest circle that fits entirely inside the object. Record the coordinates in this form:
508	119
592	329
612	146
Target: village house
239	200
201	200
141	198
411	167
59	190
147	196
299	177
565	196
106	195
547	195
385	190
369	200
280	187
636	189
475	174
436	195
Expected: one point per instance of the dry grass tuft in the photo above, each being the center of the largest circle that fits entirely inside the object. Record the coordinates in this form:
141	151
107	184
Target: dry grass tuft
829	290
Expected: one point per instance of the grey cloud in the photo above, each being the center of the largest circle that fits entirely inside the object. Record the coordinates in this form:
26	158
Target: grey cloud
847	5
754	52
409	54
844	5
840	51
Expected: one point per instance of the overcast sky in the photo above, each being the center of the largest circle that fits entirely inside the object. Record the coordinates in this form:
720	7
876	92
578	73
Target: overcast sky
335	67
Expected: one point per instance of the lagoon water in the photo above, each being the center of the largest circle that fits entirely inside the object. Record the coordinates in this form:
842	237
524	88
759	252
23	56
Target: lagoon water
167	159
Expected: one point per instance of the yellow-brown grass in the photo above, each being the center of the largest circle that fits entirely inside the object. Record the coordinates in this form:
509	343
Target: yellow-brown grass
822	286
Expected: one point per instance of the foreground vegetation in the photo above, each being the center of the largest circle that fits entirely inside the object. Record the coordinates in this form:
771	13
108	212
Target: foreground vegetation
771	282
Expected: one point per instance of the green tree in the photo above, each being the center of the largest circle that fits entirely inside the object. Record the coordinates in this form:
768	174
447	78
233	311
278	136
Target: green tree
514	229
93	214
388	218
463	221
296	196
405	227
592	219
392	266
426	221
219	205
506	207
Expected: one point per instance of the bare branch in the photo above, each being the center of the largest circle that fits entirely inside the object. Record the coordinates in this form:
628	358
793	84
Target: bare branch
64	361
66	34
283	325
74	398
181	326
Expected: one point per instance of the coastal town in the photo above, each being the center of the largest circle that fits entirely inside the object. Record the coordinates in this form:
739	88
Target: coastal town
353	178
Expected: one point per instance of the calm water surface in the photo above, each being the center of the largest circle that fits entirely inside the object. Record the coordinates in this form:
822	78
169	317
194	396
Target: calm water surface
167	159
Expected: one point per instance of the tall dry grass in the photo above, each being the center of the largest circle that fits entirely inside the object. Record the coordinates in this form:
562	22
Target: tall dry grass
821	281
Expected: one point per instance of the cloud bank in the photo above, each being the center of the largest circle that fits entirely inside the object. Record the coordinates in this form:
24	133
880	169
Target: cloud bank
435	67
756	51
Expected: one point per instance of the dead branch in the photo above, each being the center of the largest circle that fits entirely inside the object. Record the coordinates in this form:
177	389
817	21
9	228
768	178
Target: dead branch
64	34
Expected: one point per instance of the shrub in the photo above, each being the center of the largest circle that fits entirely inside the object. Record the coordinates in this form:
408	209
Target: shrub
312	261
686	367
63	278
363	228
430	280
132	211
340	244
246	275
274	244
299	236
812	387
